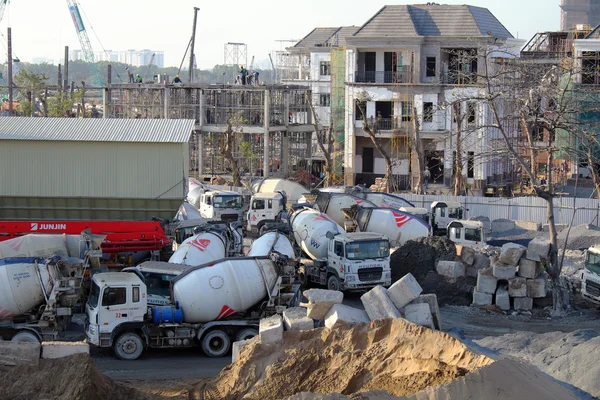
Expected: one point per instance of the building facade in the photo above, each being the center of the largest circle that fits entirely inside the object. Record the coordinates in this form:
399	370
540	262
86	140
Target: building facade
579	12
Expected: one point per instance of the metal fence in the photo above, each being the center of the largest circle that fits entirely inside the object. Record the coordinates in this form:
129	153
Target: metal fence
587	211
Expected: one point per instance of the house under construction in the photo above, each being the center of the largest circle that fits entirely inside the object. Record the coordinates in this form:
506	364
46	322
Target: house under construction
272	124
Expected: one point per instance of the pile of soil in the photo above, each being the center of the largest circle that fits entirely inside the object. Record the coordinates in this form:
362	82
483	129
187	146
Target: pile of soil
450	292
568	357
391	355
420	256
74	377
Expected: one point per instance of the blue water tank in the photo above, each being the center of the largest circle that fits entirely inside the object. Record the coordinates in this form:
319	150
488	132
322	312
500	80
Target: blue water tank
167	314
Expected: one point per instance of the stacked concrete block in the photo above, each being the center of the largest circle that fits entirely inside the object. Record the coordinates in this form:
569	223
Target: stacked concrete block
486	281
451	269
511	253
523	303
503	271
482	299
481	262
502	298
237	347
340	313
419	314
536	288
467	255
538	249
295	319
19	353
52	350
320	301
529	269
271	329
517	287
378	304
431	300
404	290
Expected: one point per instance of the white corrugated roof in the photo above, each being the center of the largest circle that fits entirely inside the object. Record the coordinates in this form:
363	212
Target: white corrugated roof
97	129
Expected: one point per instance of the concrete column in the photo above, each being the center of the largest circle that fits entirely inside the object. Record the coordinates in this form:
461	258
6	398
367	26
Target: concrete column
200	150
105	103
417	65
267	124
166	102
285	146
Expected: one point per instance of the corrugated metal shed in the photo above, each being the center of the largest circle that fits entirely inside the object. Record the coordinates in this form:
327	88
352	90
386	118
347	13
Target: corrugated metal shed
97	129
433	20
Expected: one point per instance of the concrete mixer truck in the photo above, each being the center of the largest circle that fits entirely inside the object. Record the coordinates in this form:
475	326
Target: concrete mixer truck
212	306
336	259
332	204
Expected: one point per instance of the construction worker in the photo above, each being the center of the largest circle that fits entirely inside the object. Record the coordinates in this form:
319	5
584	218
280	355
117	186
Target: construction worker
255	78
138	79
177	79
244	73
130	74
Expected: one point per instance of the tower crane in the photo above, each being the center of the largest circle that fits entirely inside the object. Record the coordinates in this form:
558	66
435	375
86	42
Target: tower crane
3	4
84	40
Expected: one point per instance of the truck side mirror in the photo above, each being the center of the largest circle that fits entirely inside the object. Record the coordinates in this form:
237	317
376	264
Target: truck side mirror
329	235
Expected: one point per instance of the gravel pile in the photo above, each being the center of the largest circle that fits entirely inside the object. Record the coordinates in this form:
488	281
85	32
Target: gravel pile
517	235
581	237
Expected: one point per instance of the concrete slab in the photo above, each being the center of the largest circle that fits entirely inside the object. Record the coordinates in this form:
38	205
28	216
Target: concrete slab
378	304
523	303
320	302
482	299
237	347
431	300
271	329
502	225
486	281
502	298
340	313
503	271
529	269
19	353
529	225
419	314
51	350
404	290
467	255
538	249
511	253
451	269
295	319
536	288
517	287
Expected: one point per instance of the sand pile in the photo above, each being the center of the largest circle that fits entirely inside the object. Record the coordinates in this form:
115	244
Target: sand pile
74	377
568	357
391	355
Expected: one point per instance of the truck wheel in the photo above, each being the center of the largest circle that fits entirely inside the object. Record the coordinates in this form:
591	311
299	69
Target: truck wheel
333	282
246	334
27	337
216	343
129	346
304	280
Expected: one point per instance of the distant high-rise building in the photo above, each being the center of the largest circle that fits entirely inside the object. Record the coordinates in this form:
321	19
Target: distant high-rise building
132	57
575	12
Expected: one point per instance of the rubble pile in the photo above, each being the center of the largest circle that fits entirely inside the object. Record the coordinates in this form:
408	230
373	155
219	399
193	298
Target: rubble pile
515	278
380	185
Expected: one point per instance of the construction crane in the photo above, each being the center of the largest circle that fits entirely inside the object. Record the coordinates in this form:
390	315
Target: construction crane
3	4
251	63
149	66
86	45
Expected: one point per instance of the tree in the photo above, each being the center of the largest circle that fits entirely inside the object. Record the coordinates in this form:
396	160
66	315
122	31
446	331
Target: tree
228	142
28	84
417	151
325	141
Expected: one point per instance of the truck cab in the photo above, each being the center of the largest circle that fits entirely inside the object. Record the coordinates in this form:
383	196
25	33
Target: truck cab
467	233
418	212
157	277
444	212
590	276
222	206
264	208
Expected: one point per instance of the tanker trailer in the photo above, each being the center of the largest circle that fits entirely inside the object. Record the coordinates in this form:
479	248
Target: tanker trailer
339	260
213	305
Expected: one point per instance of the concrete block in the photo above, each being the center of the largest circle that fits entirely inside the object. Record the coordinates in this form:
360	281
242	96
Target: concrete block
19	353
511	253
271	329
529	269
523	303
431	300
467	255
517	287
502	298
451	269
481	299
295	319
486	282
320	301
52	350
419	314
502	271
340	313
528	225
480	262
378	304
538	249
404	290
536	288
502	225
237	347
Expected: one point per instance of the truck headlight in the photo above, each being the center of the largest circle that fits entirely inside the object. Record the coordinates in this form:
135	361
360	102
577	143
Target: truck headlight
350	278
93	329
387	275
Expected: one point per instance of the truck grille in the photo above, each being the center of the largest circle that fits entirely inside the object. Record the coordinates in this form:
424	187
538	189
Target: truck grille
370	274
592	288
229	217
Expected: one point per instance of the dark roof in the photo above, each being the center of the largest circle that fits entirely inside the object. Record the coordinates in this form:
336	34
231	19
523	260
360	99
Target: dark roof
316	38
339	37
433	20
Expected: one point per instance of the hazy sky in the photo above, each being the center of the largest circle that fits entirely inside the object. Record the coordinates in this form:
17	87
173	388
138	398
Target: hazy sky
41	28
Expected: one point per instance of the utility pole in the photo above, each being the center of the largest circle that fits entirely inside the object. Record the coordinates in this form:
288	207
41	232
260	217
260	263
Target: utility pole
191	78
66	70
10	74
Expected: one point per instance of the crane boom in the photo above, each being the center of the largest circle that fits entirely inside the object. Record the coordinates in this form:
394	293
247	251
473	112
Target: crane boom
84	40
3	4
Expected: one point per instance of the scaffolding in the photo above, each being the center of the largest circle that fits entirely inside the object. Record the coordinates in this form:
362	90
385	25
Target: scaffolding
402	125
338	112
235	54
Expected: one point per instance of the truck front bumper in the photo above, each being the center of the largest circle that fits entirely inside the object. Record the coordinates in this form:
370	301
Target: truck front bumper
93	337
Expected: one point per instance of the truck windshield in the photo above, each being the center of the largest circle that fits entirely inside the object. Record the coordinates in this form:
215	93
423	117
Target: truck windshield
94	295
592	262
367	249
473	235
228	202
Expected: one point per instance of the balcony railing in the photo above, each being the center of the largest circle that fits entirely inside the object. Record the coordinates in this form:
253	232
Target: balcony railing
390	77
394	123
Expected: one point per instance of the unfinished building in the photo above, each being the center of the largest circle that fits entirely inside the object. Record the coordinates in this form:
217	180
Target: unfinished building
271	125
